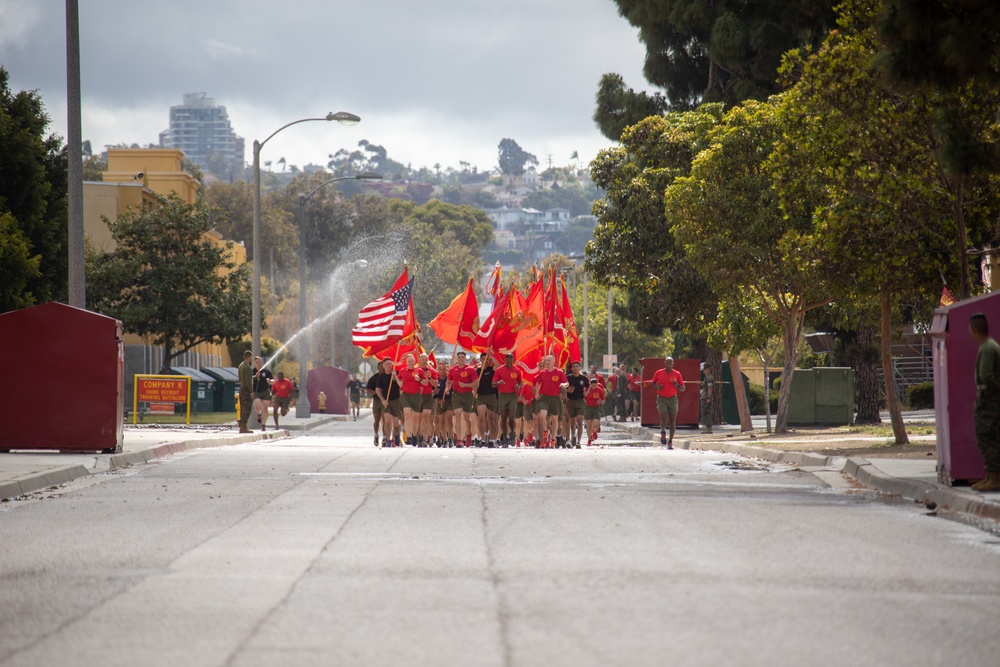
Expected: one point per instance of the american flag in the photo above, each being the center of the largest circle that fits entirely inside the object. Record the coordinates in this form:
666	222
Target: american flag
383	318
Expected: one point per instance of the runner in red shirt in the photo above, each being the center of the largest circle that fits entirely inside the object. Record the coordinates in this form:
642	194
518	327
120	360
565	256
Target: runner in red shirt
507	380
462	379
594	398
634	387
411	381
548	387
667	382
427	405
282	390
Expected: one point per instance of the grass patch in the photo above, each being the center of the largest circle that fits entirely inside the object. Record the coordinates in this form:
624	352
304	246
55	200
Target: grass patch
885	430
204	418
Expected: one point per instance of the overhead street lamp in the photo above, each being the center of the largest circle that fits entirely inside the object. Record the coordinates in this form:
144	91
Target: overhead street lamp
302	407
342	117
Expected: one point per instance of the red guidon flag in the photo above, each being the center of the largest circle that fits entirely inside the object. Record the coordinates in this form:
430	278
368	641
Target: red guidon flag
461	317
946	298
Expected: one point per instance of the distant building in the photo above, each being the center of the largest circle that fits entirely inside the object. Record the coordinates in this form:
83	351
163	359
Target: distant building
521	220
202	130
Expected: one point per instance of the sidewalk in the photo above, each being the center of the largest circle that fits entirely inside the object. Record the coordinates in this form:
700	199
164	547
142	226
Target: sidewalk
911	478
26	471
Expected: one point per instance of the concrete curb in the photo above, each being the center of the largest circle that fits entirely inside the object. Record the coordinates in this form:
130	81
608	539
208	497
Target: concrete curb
857	468
21	486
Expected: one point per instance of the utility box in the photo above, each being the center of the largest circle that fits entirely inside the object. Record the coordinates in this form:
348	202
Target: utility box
954	352
688	401
71	400
227	386
202	388
822	396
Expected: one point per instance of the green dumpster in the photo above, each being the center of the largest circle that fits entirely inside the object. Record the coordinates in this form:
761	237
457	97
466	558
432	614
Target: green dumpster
822	396
202	388
227	385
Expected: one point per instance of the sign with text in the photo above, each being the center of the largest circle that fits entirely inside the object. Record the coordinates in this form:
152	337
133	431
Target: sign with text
160	389
163	390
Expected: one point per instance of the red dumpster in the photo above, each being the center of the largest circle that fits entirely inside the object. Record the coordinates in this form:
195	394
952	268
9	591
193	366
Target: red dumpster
72	399
689	401
954	352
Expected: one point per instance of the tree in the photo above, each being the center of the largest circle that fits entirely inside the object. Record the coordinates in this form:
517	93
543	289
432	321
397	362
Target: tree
18	266
633	247
708	51
33	186
862	157
166	280
512	158
727	218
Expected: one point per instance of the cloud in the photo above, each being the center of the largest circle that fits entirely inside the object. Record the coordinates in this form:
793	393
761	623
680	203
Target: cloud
17	19
439	81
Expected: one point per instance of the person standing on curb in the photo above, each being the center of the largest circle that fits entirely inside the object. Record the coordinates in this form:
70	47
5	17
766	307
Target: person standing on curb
707	385
987	410
245	374
667	383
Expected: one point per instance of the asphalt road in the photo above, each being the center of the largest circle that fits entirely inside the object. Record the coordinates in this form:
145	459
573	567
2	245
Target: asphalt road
323	550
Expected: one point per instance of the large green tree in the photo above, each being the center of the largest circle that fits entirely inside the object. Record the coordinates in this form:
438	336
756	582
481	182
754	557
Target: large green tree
166	280
726	216
863	157
33	185
708	51
513	159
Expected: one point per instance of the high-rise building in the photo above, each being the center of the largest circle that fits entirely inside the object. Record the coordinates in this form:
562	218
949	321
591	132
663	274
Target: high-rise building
202	130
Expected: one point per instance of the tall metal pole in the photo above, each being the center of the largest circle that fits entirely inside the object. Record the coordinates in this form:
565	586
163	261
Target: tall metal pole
610	302
333	326
74	137
302	407
586	325
342	117
256	249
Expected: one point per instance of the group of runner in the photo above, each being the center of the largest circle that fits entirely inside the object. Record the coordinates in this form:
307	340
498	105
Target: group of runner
480	404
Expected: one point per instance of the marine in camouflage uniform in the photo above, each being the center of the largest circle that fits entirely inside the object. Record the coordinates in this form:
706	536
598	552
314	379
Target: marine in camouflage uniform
707	387
987	410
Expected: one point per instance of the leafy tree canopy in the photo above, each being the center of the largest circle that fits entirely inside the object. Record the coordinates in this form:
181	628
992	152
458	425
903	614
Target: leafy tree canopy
513	159
708	51
166	280
33	186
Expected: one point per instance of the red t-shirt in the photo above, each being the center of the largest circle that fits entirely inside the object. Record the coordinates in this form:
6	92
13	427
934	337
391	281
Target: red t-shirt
462	374
613	381
527	394
507	379
598	378
634	382
432	375
409	380
667	380
283	388
549	381
595	395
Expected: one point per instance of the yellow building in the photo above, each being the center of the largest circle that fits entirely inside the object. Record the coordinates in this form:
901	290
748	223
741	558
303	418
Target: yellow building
133	178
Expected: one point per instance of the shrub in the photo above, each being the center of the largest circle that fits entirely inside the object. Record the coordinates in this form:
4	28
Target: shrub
755	399
920	396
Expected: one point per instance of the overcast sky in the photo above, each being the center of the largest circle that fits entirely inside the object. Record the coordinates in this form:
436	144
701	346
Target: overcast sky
439	81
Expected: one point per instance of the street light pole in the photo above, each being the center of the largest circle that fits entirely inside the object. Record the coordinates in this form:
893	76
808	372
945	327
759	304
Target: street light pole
341	117
302	407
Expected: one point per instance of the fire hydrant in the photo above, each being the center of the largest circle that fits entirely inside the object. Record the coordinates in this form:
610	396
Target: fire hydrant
321	399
